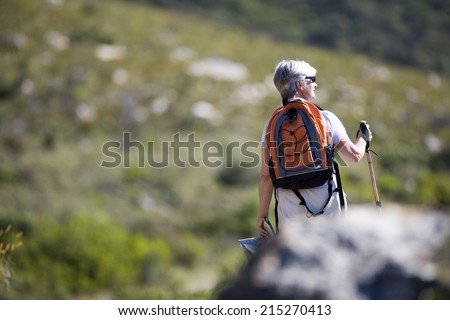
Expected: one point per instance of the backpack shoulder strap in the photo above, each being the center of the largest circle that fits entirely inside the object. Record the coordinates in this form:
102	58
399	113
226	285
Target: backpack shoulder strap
321	109
269	128
339	184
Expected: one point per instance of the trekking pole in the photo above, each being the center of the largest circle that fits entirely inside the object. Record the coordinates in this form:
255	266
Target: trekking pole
365	132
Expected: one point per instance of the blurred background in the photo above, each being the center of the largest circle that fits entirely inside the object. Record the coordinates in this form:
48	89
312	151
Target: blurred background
76	74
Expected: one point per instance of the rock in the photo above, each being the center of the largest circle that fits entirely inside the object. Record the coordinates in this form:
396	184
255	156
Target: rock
219	69
391	255
107	52
57	40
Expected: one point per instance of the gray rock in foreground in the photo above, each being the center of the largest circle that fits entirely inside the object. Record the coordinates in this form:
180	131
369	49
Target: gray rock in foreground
370	255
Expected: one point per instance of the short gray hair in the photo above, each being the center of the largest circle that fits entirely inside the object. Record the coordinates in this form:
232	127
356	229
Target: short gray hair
288	72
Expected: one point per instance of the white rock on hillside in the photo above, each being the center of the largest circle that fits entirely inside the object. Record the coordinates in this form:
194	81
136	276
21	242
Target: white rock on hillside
218	69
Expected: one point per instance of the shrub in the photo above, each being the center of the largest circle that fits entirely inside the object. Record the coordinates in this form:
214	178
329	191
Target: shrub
85	254
9	242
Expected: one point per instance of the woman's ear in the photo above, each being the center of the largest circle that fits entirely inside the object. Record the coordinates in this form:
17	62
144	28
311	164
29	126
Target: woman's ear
298	86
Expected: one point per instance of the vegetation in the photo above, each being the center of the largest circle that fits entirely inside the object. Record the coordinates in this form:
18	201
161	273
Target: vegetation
97	70
9	242
407	32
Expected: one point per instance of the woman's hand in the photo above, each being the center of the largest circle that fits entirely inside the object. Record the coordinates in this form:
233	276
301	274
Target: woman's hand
263	233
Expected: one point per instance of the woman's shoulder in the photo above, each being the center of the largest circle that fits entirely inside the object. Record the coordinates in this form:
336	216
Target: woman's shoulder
329	115
335	125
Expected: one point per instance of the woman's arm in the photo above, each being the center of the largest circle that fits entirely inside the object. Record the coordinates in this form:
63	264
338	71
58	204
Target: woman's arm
353	152
265	189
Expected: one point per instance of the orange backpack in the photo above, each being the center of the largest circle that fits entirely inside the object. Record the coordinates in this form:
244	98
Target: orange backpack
300	147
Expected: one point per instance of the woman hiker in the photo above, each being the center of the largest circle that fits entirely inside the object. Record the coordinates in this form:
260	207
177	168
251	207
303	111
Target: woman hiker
296	81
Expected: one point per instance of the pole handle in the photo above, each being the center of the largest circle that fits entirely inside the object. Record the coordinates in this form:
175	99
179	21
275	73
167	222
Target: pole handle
365	133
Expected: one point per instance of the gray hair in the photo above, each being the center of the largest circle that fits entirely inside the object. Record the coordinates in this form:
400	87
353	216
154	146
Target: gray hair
288	72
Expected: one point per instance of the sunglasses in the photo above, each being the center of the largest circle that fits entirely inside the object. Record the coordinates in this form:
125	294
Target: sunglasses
313	79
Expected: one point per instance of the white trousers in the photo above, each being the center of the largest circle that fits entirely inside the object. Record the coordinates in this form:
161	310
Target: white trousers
289	207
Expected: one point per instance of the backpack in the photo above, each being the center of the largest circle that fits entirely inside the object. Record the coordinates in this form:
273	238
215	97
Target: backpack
301	153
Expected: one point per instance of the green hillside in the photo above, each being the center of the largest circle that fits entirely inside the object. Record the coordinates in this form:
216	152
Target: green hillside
84	82
409	32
